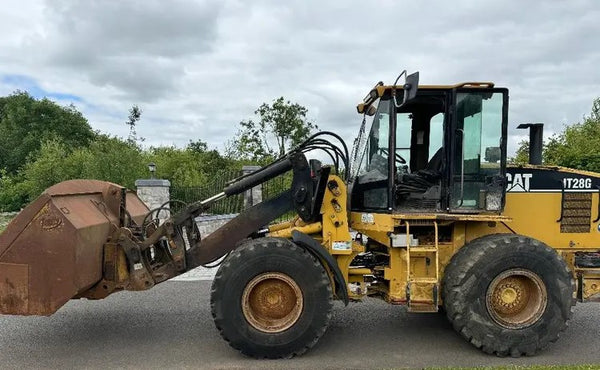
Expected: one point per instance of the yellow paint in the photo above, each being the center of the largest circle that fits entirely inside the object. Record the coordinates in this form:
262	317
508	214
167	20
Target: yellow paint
448	217
284	225
509	295
311	228
335	217
591	287
370	221
360	271
559	168
534	215
381	89
395	274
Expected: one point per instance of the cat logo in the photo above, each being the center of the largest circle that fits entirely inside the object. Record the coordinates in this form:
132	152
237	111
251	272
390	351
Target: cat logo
519	182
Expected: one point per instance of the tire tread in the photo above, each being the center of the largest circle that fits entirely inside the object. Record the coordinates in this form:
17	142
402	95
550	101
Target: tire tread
464	261
252	247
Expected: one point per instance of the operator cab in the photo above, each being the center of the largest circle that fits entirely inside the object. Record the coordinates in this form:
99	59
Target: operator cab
443	149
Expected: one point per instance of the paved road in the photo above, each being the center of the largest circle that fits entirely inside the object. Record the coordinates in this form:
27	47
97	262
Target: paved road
170	327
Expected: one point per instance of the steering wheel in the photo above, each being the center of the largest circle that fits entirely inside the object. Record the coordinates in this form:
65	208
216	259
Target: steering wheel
398	157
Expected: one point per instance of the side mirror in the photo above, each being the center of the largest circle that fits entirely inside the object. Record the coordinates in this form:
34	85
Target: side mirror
411	85
492	154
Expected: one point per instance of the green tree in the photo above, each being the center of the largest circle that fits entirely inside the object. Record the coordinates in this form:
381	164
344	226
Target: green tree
180	166
26	122
197	146
279	127
48	168
522	154
113	159
577	146
135	113
192	166
211	161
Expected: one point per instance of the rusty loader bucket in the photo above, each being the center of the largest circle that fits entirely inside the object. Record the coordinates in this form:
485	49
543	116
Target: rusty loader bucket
54	249
89	239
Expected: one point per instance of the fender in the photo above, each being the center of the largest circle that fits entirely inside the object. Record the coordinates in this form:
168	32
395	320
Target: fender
321	253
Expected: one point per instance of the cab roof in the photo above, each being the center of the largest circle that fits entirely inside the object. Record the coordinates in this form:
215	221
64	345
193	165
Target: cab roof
379	89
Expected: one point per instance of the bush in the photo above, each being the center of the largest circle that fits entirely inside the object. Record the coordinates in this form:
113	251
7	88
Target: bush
109	159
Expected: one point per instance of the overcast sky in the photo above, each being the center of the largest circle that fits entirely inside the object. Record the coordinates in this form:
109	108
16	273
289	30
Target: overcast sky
196	68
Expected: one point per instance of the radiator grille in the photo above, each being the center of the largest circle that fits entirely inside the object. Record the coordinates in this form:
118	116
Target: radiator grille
576	213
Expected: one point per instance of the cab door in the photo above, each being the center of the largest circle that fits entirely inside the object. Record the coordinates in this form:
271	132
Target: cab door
478	149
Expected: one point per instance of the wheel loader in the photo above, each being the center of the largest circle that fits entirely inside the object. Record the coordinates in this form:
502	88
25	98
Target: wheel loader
422	212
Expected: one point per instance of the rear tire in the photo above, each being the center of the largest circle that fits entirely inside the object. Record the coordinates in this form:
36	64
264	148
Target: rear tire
508	294
271	299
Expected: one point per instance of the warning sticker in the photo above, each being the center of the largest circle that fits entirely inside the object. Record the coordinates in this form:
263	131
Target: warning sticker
341	246
367	218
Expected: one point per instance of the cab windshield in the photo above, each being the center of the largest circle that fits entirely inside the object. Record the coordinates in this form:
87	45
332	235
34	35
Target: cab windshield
373	164
373	170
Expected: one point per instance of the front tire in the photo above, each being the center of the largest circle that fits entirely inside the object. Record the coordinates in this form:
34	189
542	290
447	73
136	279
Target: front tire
271	299
508	294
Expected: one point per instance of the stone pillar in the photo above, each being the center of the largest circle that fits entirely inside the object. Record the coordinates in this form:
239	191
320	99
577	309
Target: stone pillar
154	193
254	195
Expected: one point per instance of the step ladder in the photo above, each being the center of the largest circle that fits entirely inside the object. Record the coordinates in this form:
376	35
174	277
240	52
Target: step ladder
416	285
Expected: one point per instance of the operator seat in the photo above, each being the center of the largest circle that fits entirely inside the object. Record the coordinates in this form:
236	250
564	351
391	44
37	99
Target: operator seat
421	181
436	161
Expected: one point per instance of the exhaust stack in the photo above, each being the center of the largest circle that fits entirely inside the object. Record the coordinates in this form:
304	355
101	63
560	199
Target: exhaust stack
536	141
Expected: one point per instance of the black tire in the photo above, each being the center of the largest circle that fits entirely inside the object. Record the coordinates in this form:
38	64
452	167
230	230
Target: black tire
233	284
469	287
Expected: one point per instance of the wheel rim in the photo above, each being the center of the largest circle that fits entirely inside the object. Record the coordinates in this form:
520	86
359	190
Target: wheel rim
516	298
272	302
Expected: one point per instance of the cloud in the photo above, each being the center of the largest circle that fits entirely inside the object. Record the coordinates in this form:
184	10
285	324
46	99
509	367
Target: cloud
18	82
135	47
142	28
198	68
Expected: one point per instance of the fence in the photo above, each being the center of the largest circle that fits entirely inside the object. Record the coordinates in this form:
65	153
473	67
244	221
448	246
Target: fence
191	194
234	204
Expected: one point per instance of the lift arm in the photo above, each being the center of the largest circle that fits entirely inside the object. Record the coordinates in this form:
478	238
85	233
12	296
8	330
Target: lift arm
222	241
